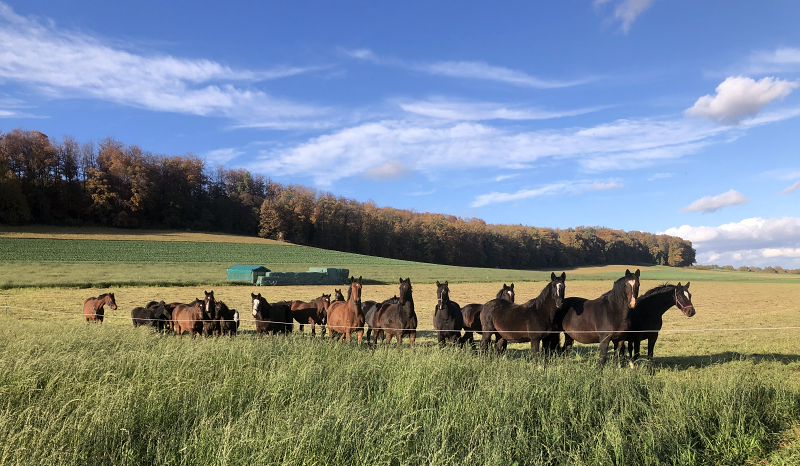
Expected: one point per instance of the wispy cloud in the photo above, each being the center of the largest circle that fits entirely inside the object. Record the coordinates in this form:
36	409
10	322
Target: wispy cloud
711	204
626	11
222	156
659	176
468	70
780	60
752	241
565	187
740	97
66	64
431	146
479	111
792	188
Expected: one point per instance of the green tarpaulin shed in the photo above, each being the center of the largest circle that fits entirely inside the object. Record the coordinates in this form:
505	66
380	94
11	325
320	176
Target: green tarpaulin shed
247	273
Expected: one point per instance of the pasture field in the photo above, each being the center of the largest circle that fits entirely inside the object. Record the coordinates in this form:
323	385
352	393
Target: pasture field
78	393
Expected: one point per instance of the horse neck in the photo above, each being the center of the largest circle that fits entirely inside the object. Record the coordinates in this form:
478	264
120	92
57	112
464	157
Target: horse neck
657	303
544	302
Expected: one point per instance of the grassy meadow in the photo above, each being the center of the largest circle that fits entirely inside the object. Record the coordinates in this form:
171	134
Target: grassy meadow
78	393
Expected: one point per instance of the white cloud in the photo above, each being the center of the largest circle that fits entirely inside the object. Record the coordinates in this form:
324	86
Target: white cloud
390	169
739	98
781	60
222	156
792	188
711	204
659	176
468	70
63	64
565	187
626	11
752	241
477	111
431	146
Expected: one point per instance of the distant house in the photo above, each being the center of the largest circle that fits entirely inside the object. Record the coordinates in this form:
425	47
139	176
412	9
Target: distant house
247	273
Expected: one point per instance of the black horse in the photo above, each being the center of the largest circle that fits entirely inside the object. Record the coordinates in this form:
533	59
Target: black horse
517	323
154	314
471	314
646	320
602	320
447	318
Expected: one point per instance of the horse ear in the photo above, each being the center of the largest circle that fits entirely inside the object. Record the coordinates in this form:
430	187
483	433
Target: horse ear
512	286
679	285
563	275
446	283
359	279
437	283
637	273
552	276
686	286
401	280
627	272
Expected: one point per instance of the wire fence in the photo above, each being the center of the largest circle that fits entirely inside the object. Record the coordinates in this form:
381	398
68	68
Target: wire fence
693	330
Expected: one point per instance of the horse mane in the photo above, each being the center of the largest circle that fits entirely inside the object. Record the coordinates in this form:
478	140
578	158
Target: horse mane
539	300
657	289
101	296
617	292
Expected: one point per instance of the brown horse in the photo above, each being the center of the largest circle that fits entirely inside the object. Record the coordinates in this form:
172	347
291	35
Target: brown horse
517	323
188	318
397	319
93	307
602	320
345	317
312	313
471	314
211	324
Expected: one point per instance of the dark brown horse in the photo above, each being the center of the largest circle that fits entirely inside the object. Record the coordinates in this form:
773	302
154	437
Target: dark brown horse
210	317
603	320
397	319
447	318
472	314
93	307
372	307
228	319
188	318
312	313
345	317
646	320
518	323
271	318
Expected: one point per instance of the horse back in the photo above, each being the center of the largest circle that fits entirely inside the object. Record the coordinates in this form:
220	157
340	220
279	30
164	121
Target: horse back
471	315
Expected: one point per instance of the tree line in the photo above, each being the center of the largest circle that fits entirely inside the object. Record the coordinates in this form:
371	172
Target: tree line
109	183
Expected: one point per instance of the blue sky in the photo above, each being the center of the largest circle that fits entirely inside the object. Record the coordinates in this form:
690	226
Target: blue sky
655	115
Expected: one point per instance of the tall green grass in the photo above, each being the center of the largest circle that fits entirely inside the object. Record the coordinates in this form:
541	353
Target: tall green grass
72	393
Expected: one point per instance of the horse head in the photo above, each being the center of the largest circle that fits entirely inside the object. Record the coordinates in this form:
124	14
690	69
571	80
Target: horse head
631	287
405	290
326	301
683	299
338	294
110	301
355	290
210	304
256	298
506	293
559	287
442	294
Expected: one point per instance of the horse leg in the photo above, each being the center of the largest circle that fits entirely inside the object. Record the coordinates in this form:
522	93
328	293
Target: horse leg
651	344
535	347
313	327
388	338
603	351
399	339
360	333
500	346
485	340
568	342
411	337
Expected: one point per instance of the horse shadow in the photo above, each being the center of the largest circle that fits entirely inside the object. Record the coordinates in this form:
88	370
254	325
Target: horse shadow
697	362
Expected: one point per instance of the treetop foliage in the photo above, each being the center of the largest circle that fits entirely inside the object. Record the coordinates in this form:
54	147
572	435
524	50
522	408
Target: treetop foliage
43	180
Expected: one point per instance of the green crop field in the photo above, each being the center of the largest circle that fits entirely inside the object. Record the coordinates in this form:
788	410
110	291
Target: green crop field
78	393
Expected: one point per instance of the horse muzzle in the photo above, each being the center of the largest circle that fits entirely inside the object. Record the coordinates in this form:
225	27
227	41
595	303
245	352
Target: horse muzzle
632	304
688	311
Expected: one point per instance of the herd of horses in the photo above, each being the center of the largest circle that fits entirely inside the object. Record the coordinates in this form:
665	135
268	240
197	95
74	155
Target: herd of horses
617	317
